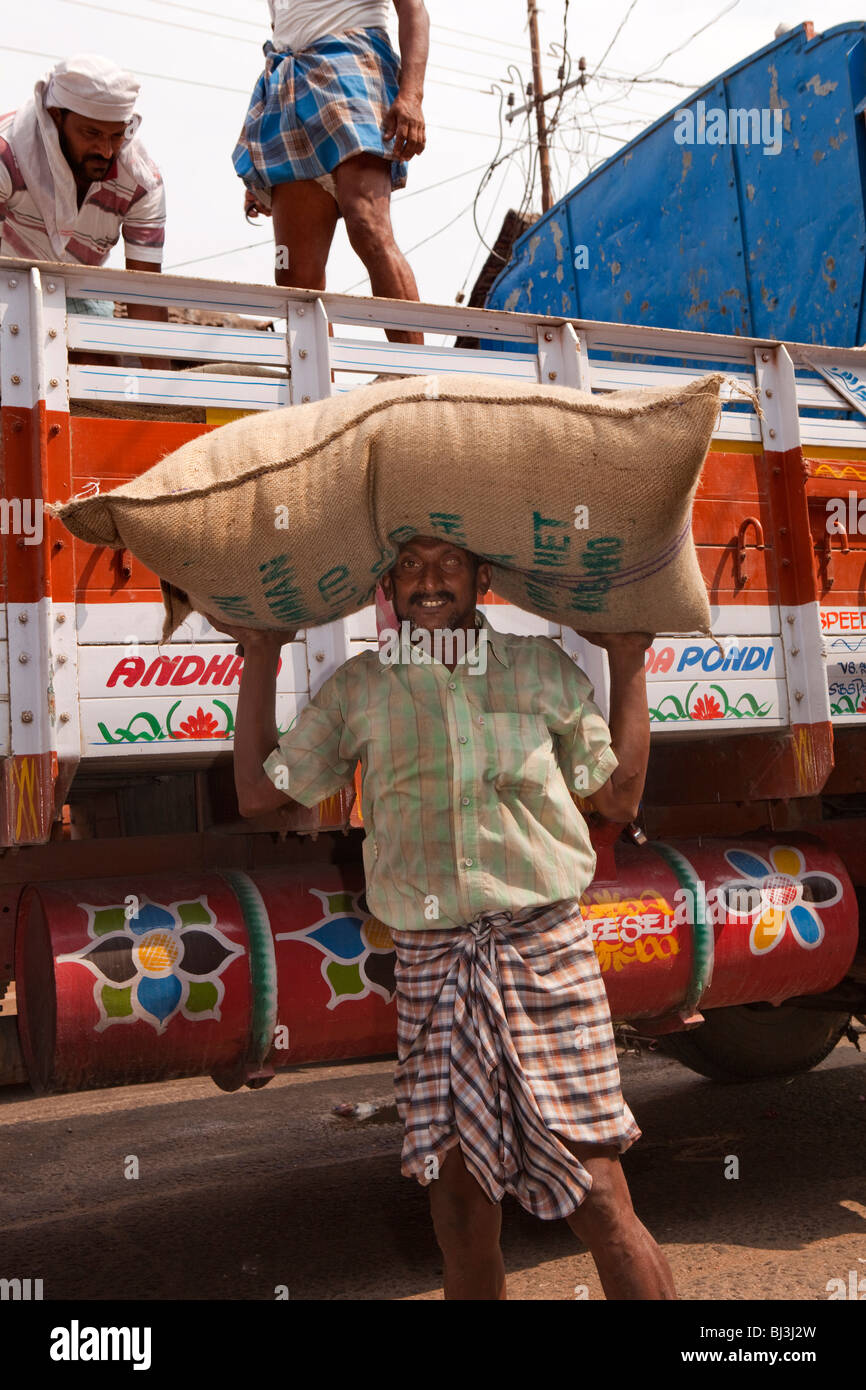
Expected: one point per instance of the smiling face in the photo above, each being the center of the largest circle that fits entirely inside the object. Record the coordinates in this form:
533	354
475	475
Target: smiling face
435	584
89	147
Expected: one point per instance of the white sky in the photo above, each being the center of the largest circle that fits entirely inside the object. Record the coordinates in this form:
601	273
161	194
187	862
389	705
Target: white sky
191	130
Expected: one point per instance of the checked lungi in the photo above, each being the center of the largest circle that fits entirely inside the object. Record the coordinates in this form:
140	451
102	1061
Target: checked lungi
505	1046
311	110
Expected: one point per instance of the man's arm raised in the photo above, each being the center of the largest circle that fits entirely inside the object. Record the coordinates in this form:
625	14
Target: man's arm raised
619	798
256	734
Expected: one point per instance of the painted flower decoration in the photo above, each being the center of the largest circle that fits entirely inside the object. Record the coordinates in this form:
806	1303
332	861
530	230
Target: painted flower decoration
358	949
707	707
200	725
161	961
861	708
781	884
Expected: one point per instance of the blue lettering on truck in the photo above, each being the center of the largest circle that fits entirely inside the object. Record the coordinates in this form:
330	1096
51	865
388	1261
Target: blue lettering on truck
710	659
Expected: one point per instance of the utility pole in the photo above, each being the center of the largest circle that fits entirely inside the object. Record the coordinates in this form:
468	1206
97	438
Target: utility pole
538	101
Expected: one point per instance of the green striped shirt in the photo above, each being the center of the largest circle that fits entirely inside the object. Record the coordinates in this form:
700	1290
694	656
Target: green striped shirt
467	776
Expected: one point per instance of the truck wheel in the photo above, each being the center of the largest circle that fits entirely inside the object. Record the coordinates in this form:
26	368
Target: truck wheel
750	1041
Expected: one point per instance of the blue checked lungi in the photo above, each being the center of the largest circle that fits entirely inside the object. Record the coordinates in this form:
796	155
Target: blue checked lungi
311	110
505	1046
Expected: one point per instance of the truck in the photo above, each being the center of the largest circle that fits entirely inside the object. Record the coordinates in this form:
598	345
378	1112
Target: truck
147	931
742	210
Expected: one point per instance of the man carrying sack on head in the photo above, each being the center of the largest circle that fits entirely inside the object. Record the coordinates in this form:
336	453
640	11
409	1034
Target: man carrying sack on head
73	174
476	857
332	121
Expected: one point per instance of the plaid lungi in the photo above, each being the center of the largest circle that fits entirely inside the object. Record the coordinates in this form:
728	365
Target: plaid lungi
505	1046
311	110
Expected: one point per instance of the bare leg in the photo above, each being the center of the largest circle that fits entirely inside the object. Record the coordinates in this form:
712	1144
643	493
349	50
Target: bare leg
305	217
363	186
629	1262
467	1226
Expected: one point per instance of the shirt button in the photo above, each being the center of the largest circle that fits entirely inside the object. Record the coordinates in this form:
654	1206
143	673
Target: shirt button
481	721
466	801
462	739
452	685
467	863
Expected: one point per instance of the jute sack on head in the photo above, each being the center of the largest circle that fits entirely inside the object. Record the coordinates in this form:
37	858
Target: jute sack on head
288	518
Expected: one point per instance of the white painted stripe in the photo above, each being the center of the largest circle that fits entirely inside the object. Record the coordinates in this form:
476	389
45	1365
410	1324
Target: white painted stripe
64	648
99	664
50	665
744	619
627	376
361	626
843	622
844	644
131	714
358	354
91	333
29	676
834	434
140	387
121	623
739	704
850	648
805	664
698	659
780	425
846	683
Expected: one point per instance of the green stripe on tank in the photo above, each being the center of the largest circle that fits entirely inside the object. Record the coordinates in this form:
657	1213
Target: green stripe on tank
703	940
263	965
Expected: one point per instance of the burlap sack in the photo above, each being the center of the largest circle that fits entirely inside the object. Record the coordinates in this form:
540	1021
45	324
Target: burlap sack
289	517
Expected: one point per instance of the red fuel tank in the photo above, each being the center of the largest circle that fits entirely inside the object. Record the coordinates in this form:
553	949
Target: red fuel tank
235	975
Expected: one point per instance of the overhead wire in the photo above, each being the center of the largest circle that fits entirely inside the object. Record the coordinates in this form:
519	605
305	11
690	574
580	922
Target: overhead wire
497	159
236	38
709	24
482	244
239	91
257	24
261	25
520	143
266	241
659	81
422	242
484	38
622	24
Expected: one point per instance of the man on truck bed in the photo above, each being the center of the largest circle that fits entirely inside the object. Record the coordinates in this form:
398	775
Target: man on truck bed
314	147
476	855
73	173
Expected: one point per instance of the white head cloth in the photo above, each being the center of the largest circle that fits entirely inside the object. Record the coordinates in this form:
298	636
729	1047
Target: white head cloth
91	86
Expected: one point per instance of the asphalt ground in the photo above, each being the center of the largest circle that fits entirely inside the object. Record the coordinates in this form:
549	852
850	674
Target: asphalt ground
260	1194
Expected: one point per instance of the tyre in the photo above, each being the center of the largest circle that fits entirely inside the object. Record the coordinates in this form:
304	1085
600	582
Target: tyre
750	1041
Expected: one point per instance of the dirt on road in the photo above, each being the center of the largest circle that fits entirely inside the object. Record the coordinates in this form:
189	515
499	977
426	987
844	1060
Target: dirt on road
259	1194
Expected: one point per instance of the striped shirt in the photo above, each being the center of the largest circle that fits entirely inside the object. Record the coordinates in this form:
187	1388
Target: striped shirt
121	200
467	777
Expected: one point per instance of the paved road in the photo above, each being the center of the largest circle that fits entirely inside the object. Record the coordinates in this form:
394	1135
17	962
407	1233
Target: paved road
238	1194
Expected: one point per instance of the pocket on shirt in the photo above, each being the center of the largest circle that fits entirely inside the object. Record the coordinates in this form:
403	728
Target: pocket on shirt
519	749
